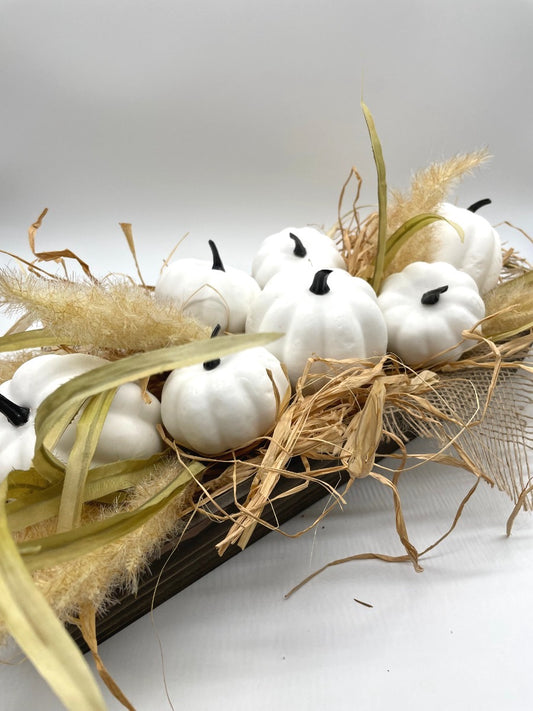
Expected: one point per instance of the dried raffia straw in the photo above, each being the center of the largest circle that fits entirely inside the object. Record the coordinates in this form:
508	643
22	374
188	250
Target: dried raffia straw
341	421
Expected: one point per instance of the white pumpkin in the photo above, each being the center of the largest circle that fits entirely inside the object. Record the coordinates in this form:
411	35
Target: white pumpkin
427	306
129	431
224	404
295	247
479	254
209	291
330	314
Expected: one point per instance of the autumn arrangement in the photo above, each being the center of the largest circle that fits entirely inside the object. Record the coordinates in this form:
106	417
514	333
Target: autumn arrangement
127	408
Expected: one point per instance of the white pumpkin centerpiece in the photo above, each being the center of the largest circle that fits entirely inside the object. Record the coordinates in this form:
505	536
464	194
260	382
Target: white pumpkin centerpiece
330	314
224	404
295	247
478	254
427	306
209	291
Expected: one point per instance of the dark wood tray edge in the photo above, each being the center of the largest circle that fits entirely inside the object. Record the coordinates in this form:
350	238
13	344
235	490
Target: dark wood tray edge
179	566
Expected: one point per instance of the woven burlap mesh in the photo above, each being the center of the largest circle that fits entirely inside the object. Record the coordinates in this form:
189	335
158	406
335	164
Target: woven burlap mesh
494	427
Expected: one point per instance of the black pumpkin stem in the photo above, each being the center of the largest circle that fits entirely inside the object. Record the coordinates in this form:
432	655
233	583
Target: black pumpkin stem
212	364
320	282
474	207
217	262
15	414
433	295
299	249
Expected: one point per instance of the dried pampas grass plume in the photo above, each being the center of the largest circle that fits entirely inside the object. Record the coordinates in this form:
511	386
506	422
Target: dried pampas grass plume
112	316
429	188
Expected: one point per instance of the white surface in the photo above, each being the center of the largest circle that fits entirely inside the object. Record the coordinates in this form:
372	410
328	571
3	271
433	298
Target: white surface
456	636
230	121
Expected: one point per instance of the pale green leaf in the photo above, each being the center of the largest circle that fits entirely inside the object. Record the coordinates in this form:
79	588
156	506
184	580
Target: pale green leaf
39	633
409	228
379	266
88	430
62	547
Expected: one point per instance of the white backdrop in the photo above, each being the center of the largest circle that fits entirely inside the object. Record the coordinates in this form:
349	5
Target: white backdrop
230	120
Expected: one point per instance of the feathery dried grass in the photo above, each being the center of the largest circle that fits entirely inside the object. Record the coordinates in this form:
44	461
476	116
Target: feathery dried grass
430	187
113	317
510	307
97	578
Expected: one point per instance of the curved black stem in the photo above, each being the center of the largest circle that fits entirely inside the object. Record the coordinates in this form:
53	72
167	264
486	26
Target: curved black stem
15	414
299	249
212	364
433	295
217	262
474	207
320	282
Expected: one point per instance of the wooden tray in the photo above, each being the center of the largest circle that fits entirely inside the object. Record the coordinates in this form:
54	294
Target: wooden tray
196	555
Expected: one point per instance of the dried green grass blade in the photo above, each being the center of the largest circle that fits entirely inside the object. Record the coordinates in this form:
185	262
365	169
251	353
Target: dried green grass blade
28	479
62	547
403	234
379	266
507	335
88	430
38	338
39	633
44	461
105	481
128	234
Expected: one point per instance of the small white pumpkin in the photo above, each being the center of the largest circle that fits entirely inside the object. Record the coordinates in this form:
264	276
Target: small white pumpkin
209	291
295	247
129	431
427	306
330	314
224	404
479	254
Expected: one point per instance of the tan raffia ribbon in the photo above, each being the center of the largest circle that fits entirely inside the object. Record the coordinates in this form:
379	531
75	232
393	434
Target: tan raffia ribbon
39	633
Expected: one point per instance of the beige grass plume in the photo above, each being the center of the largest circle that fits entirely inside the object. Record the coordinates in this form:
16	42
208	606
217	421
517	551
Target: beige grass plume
112	315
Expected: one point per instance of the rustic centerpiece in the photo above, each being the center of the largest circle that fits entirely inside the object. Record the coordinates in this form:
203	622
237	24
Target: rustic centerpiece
170	425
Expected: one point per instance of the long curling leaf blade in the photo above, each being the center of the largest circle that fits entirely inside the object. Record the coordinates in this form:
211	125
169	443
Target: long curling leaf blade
377	151
39	633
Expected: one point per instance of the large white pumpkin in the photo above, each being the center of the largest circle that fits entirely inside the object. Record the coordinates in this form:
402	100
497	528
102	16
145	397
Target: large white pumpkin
479	254
427	306
330	314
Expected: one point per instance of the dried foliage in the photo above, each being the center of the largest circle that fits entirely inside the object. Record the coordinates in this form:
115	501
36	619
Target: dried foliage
479	408
357	236
112	318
